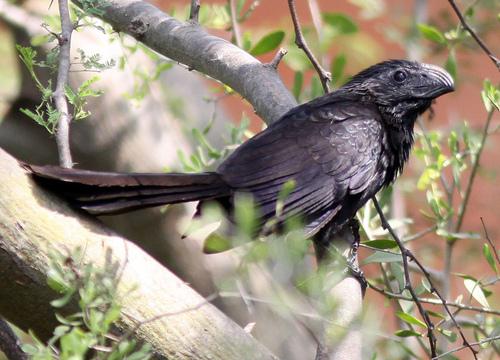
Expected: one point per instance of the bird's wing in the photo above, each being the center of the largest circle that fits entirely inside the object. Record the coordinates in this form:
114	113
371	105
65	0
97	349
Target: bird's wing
330	151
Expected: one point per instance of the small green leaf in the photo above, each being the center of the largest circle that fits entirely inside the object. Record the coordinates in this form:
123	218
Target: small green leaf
296	59
245	213
298	82
475	290
431	33
451	64
450	335
338	65
490	95
216	243
489	257
381	244
410	319
268	43
436	314
59	303
342	23
379	257
407	333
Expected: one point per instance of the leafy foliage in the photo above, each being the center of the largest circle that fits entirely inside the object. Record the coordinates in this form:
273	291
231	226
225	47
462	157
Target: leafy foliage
88	332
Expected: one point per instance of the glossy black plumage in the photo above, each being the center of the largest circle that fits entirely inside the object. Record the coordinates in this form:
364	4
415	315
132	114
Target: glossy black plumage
340	149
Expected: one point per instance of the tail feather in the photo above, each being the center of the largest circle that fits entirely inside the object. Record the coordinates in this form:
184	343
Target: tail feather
104	193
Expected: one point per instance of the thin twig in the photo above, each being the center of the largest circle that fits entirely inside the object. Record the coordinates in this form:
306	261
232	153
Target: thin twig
420	234
492	244
487	340
277	58
235	26
393	295
324	76
475	167
474	35
406	253
62	136
250	10
9	343
194	11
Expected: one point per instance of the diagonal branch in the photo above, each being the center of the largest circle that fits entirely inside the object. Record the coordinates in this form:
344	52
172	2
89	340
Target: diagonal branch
35	223
324	75
191	45
474	35
407	254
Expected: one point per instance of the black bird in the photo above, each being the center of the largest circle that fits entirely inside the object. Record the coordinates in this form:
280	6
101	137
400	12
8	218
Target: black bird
339	149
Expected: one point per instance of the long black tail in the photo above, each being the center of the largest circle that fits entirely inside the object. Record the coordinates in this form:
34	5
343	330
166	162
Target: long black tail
104	193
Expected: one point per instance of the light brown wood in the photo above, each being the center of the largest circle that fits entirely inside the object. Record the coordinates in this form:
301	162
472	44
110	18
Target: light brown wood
34	222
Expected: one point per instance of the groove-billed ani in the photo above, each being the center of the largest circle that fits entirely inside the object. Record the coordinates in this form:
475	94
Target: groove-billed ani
340	149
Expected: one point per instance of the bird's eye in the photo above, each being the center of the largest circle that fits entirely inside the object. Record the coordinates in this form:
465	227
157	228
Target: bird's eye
399	76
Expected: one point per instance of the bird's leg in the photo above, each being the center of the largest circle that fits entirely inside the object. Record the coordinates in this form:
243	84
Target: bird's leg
352	264
341	242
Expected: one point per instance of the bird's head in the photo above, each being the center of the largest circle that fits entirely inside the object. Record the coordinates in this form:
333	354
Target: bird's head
401	89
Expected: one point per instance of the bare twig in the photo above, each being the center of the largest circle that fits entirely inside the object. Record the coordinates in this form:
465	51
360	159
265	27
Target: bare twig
393	295
250	10
9	343
324	75
235	26
62	136
492	244
475	167
419	234
474	35
483	341
406	253
277	58
195	11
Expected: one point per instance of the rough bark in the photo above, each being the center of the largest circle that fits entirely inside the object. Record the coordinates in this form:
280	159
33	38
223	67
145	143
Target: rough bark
191	45
33	223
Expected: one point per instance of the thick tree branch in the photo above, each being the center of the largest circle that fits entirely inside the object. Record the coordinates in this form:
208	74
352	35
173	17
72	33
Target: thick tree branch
34	223
64	39
192	46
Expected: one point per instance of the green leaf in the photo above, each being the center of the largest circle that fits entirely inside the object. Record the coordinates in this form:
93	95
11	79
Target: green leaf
410	319
216	243
338	65
491	96
379	257
245	213
489	257
297	60
342	23
381	244
59	303
436	314
450	335
407	333
298	82
451	64
475	290
431	33
268	43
